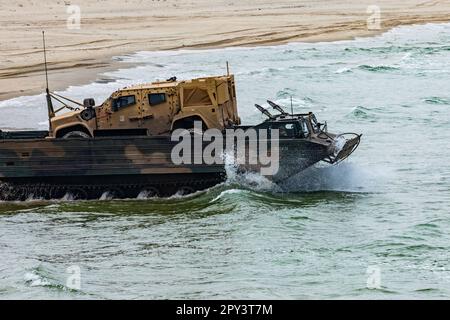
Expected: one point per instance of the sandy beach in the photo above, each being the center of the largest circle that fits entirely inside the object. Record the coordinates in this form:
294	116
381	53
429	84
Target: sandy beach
111	27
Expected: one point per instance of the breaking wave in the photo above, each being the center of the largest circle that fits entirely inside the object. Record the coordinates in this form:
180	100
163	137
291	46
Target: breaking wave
41	277
250	180
345	177
343	70
360	112
34	279
436	48
380	68
286	93
437	100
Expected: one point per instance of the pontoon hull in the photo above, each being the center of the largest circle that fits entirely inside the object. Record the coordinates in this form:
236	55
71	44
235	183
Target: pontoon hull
125	167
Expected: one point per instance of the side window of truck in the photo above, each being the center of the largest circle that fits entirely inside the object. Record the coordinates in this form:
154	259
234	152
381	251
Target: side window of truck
156	98
123	102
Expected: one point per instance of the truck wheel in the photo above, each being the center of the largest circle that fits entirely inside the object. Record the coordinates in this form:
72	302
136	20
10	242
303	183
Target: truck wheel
76	134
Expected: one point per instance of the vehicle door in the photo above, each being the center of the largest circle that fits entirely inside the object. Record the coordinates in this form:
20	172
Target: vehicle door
158	109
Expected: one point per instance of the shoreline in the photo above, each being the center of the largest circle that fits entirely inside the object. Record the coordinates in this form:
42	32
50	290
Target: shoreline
81	58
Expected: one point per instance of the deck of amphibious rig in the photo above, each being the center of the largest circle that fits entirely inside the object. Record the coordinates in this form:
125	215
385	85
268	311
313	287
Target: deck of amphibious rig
126	165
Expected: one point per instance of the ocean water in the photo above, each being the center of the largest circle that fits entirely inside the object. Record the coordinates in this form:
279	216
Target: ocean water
376	226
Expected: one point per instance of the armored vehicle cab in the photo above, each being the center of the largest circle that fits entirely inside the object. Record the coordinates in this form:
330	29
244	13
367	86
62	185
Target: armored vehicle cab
150	109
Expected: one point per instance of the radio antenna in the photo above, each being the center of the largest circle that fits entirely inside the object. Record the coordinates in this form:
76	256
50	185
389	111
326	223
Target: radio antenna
45	62
51	110
292	108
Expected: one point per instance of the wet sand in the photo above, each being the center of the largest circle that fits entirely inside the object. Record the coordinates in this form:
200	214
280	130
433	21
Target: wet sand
111	28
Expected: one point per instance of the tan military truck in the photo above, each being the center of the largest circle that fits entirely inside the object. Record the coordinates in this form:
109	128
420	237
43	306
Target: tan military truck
150	109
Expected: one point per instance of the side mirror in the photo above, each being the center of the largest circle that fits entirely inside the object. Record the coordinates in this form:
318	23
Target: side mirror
89	103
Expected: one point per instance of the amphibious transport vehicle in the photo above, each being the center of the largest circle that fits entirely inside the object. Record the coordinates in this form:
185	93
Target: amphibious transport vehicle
123	147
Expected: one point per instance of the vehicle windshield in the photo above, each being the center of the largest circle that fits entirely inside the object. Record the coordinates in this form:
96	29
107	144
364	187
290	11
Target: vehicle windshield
304	127
314	124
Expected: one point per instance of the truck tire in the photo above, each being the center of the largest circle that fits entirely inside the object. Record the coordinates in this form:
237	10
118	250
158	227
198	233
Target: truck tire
76	134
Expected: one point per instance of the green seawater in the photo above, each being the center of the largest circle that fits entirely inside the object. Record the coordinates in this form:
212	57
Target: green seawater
319	235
